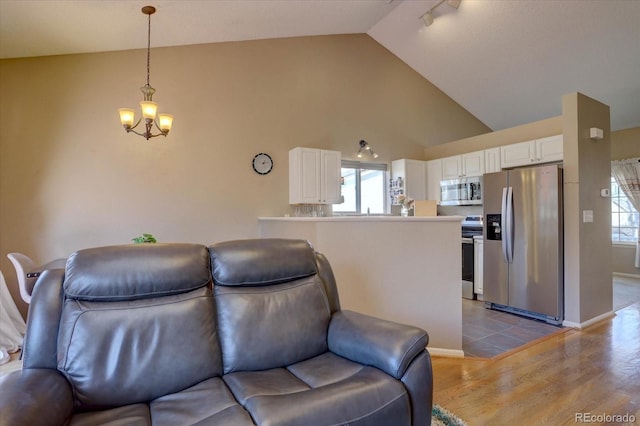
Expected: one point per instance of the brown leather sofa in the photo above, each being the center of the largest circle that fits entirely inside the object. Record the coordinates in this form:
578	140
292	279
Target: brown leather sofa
243	332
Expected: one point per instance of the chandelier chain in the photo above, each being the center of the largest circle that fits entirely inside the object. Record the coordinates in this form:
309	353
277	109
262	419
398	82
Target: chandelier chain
148	49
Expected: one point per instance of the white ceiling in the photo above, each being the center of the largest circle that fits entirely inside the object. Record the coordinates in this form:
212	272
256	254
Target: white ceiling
508	62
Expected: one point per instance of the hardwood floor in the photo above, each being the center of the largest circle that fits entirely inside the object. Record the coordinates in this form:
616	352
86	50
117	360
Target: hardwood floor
594	372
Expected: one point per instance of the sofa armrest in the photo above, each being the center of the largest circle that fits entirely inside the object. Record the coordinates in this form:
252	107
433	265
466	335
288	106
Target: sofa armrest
35	396
386	345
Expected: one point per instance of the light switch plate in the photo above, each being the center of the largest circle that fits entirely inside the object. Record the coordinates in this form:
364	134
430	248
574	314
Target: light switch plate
587	216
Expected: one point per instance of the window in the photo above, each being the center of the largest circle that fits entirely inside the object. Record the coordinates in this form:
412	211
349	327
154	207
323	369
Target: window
363	188
624	217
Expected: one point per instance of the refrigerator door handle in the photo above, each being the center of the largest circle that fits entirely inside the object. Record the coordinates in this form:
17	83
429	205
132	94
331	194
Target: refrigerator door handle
503	225
509	225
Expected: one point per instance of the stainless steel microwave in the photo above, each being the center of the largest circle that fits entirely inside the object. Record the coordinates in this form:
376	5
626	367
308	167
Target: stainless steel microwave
461	192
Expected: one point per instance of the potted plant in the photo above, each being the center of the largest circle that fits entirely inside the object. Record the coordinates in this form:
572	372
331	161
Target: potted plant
144	238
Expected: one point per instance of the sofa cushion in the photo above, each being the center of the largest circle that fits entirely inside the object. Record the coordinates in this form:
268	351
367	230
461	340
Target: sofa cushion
261	261
136	271
275	326
125	352
208	402
135	414
325	390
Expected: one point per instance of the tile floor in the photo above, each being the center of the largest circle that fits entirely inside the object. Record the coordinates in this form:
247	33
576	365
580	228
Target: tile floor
487	333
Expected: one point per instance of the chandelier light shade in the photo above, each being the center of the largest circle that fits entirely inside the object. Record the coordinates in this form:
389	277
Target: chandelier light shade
162	122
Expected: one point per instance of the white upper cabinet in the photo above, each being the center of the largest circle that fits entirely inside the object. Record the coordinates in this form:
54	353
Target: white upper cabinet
492	160
469	164
544	150
434	176
550	149
314	176
412	174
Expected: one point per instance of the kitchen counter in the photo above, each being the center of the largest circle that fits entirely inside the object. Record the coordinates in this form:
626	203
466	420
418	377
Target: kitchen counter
381	218
404	269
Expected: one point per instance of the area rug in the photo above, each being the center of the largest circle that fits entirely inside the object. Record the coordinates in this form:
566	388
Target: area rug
443	417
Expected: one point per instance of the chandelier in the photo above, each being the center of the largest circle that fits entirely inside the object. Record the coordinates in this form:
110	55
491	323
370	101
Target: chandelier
148	107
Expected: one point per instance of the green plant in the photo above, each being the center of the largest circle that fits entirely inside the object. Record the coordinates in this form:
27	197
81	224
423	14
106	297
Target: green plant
144	238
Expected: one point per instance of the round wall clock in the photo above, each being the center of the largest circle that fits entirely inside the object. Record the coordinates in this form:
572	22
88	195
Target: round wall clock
262	163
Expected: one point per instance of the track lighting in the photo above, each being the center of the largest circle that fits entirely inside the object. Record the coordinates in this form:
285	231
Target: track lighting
427	17
364	147
454	3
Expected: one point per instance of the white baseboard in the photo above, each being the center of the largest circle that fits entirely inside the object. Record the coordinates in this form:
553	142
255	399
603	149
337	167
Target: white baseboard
589	322
449	353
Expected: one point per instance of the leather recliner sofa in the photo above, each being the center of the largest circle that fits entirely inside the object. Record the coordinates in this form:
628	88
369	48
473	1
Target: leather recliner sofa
242	332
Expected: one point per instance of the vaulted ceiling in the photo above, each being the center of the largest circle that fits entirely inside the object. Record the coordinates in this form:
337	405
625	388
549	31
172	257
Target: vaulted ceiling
508	62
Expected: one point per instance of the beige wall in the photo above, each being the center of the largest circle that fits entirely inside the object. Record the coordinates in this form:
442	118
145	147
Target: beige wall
538	129
71	178
587	169
625	144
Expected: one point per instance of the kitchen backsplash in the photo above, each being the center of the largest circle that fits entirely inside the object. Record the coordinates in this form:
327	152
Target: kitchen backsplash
459	210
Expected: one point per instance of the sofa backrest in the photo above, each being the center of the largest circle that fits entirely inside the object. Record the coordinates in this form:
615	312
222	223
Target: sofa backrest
272	305
137	322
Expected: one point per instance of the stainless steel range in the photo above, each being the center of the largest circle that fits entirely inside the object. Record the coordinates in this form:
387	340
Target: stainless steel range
471	227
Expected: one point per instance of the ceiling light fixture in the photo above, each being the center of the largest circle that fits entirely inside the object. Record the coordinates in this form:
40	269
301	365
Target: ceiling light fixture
149	108
364	147
427	17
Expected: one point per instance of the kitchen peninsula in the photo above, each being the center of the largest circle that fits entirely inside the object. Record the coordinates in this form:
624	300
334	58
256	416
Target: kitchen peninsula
404	269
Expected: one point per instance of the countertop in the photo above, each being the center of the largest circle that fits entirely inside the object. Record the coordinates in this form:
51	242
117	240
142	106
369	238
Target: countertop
366	219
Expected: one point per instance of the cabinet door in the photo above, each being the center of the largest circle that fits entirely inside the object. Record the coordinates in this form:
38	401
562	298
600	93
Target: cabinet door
330	177
452	167
473	164
518	154
415	179
549	149
309	176
492	160
434	176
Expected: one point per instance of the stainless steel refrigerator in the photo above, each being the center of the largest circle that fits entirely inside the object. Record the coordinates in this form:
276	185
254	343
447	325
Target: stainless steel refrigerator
523	242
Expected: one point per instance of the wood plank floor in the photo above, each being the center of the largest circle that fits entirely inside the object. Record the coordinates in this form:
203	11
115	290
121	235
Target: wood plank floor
550	381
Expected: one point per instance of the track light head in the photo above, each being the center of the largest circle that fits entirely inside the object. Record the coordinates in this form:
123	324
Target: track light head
454	3
427	18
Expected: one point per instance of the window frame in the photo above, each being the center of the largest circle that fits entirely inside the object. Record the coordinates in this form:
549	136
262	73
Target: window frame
359	166
618	195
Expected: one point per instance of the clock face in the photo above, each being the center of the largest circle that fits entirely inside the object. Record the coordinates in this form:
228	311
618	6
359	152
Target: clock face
262	163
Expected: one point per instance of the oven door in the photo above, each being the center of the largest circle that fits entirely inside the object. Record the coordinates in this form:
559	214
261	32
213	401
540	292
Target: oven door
467	268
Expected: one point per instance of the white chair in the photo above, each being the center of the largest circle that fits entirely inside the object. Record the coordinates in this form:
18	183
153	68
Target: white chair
28	272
